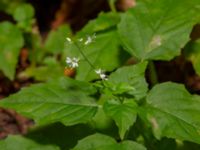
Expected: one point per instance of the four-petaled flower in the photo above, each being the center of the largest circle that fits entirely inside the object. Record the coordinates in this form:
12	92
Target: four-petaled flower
72	62
101	74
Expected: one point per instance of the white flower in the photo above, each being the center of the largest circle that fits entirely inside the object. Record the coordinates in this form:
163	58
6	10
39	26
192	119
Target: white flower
80	40
72	62
68	60
69	40
101	74
98	71
90	39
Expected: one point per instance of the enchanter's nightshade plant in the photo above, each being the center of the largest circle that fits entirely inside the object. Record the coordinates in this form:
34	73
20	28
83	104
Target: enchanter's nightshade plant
73	62
121	111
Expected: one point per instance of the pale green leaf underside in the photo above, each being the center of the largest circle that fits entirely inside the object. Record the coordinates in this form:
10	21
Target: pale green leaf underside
22	143
63	100
134	76
173	112
124	114
11	41
103	142
158	29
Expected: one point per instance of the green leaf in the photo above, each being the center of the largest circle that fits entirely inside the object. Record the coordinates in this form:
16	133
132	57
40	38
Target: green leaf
158	29
173	112
8	7
11	41
21	143
134	76
23	12
103	142
39	73
55	42
103	53
63	100
192	52
103	22
124	114
60	135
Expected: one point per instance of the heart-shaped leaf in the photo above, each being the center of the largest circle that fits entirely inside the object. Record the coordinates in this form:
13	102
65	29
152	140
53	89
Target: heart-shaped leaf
158	29
124	114
173	112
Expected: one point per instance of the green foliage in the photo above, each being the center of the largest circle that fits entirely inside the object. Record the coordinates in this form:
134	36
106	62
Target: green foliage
49	103
158	29
40	73
105	21
55	42
11	41
68	113
173	112
103	142
8	6
105	53
21	143
24	14
192	52
132	79
124	114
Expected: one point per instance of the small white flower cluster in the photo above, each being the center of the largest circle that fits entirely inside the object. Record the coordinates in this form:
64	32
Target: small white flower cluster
101	74
72	62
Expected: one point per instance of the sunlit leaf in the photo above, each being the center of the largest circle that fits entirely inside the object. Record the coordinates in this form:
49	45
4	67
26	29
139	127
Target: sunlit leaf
173	112
158	29
63	100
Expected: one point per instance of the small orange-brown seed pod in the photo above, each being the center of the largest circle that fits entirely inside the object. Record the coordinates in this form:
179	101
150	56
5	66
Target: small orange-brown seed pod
69	72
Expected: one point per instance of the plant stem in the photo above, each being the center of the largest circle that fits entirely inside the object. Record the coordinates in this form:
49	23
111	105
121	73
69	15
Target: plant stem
112	5
79	49
153	74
